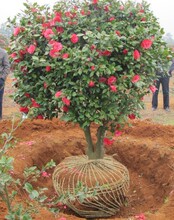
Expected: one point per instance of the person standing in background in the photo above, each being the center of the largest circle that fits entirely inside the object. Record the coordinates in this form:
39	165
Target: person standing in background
4	71
164	81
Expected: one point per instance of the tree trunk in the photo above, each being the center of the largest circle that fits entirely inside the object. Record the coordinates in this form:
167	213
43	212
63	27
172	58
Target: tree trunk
95	151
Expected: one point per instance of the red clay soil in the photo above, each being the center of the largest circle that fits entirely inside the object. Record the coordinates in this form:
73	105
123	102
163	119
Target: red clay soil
146	149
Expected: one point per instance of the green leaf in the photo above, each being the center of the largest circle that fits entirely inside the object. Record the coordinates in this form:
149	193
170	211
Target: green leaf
35	58
34	194
28	187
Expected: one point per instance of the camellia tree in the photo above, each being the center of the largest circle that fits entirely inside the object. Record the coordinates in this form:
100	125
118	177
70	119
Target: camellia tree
89	62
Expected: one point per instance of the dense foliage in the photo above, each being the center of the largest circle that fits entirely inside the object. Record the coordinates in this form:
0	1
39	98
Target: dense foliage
91	61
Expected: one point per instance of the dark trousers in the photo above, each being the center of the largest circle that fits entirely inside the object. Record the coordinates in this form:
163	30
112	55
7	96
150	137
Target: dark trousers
1	100
164	81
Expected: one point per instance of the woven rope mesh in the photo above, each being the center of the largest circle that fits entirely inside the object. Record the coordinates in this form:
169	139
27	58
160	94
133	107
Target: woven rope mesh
104	185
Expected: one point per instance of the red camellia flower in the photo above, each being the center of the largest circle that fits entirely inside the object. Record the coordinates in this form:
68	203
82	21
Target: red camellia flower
56	46
106	53
66	101
13	55
93	47
65	56
74	38
106	8
58	94
112	80
16	31
82	12
24	109
60	29
113	88
46	25
27	95
22	52
33	9
40	117
94	2
112	19
153	88
48	33
140	217
118	33
31	49
75	8
135	78
108	141
57	18
146	43
117	133
93	68
24	69
125	51
143	19
88	13
136	54
74	14
121	7
45	174
53	53
17	61
91	84
132	116
35	104
102	80
65	108
141	11
48	68
68	14
45	85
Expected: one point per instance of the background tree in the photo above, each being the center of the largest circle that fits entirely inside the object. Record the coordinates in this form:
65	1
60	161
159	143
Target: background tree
6	30
168	38
5	34
4	41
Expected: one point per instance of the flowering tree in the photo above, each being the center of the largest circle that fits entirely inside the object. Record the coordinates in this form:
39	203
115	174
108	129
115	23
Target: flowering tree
92	62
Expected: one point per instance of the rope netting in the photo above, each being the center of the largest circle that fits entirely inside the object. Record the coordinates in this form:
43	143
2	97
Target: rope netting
103	185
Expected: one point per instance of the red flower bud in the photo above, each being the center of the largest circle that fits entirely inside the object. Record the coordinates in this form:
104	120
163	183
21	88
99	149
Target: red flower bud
91	84
74	38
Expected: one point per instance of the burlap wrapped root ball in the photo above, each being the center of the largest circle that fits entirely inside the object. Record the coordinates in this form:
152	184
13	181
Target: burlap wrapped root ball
92	188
